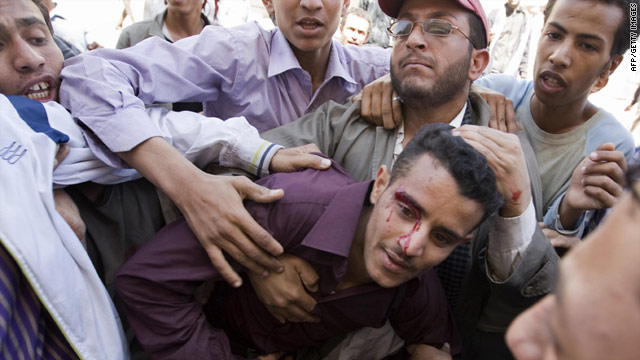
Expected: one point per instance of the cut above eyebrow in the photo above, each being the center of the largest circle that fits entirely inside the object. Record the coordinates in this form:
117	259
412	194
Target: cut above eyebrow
581	35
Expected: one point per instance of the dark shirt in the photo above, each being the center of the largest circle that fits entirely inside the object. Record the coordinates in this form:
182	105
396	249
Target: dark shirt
316	220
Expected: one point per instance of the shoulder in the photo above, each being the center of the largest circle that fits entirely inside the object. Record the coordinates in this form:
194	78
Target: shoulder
608	129
309	185
247	36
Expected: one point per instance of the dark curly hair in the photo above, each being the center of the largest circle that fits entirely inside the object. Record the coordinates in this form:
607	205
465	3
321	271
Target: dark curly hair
475	179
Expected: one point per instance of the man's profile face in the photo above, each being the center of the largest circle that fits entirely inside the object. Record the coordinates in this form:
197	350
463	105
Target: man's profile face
574	50
426	68
308	25
416	222
30	61
355	30
595	311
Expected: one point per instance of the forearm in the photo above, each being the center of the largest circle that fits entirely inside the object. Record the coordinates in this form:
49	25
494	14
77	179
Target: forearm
203	140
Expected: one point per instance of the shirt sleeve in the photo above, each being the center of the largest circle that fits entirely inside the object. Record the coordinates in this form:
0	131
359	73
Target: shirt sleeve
157	285
508	240
512	88
107	89
423	316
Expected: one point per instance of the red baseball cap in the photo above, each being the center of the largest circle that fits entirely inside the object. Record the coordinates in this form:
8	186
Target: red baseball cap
392	7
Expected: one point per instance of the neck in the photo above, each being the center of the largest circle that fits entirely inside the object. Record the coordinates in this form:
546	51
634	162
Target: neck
315	63
356	270
415	118
183	25
561	119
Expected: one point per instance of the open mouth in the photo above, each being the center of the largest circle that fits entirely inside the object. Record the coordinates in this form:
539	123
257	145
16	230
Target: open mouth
39	91
552	81
309	24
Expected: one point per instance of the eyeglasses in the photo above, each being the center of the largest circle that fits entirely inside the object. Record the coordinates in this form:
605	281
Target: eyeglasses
632	177
435	27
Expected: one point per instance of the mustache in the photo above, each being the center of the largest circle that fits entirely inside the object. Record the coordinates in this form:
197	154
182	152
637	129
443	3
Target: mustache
417	58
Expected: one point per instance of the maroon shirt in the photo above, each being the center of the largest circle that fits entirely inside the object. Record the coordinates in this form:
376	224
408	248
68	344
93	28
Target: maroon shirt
316	220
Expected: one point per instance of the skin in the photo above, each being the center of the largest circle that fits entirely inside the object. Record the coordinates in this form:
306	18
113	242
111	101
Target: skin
421	64
309	26
595	311
29	56
355	30
183	18
427	220
30	61
573	60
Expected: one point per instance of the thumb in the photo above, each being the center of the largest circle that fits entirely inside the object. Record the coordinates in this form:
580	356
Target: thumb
255	192
311	161
606	147
307	274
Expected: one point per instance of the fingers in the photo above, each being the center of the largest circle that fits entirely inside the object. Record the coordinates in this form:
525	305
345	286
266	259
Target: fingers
397	111
308	276
510	119
61	153
365	105
301	157
386	103
223	267
255	192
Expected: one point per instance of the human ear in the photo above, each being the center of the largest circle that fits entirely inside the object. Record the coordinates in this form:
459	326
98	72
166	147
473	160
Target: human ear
379	184
268	4
479	61
603	79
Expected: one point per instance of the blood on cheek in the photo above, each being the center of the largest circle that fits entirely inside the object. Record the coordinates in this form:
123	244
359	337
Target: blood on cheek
405	240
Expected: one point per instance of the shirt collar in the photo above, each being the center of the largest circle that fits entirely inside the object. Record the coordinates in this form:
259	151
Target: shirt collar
334	231
283	59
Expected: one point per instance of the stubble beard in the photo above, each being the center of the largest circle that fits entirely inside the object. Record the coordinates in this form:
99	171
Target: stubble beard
448	84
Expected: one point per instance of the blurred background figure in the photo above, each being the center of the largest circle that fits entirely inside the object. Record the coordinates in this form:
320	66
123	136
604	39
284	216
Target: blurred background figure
152	8
229	13
354	28
70	38
510	36
379	23
126	12
181	19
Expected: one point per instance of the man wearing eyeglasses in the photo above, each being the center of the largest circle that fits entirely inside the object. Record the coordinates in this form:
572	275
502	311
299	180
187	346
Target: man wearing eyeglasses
439	49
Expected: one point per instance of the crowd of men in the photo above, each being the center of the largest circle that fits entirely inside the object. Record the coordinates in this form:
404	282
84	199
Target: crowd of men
327	200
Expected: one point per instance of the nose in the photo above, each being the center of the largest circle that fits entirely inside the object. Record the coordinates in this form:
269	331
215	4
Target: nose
26	58
416	39
561	55
414	242
311	4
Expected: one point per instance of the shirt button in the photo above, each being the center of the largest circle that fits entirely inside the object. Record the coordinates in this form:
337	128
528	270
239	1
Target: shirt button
332	292
528	290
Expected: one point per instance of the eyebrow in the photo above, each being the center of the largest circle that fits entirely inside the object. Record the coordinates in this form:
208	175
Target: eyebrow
580	35
404	197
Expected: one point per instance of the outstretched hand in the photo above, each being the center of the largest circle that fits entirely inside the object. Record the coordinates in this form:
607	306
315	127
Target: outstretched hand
596	183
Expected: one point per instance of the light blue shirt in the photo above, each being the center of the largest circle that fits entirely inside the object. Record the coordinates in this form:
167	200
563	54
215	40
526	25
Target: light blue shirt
244	70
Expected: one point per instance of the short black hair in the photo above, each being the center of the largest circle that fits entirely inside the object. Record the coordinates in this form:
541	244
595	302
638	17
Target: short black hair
476	31
470	169
622	36
45	14
359	12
